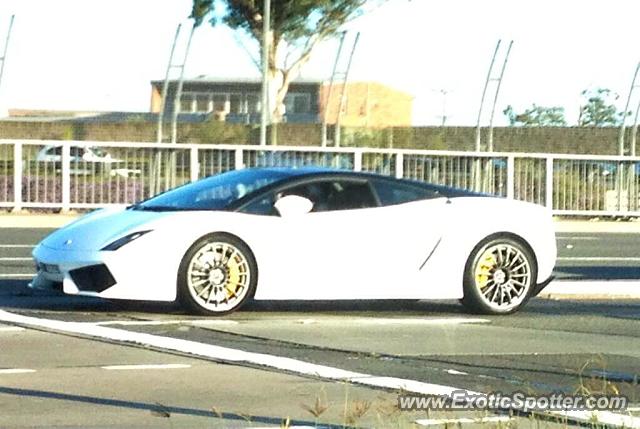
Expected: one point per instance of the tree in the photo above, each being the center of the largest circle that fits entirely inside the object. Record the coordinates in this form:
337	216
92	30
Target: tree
599	109
297	26
536	116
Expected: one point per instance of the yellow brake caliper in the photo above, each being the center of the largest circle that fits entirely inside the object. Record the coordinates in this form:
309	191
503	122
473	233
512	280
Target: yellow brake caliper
483	269
233	277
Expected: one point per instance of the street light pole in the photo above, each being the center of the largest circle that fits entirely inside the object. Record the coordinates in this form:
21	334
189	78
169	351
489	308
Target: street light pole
266	29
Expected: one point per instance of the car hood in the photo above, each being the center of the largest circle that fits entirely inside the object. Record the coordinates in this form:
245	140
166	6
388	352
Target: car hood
97	229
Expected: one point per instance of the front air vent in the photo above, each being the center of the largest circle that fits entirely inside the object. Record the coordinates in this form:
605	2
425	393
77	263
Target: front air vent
94	278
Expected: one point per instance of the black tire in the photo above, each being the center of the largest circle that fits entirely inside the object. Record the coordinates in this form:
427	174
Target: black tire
499	276
217	275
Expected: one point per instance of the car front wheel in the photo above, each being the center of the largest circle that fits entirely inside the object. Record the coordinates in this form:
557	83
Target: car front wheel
499	276
217	275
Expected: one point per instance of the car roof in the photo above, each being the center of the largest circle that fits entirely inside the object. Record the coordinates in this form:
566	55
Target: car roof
311	172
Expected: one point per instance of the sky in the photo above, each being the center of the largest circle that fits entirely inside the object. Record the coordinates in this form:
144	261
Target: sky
100	55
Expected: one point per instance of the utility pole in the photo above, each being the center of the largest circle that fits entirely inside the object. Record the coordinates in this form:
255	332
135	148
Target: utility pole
165	86
325	114
156	164
490	79
624	117
495	98
178	96
266	30
3	59
443	116
343	95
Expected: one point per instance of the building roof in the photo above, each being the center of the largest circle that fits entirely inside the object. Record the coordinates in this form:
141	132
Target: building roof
39	115
238	80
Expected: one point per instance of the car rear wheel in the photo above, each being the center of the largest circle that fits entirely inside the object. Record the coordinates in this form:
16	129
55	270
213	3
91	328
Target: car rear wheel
217	275
499	276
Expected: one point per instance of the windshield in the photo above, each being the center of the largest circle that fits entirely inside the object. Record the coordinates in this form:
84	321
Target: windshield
98	151
213	193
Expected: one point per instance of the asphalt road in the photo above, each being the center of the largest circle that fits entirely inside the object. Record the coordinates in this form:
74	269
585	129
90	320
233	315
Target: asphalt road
167	375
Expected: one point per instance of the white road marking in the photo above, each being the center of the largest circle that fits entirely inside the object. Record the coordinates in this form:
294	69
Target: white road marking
290	427
213	322
162	322
602	288
600	258
397	321
603	418
136	322
226	354
17	276
488	419
425	321
11	329
16	371
152	366
18	246
362	321
8	258
456	372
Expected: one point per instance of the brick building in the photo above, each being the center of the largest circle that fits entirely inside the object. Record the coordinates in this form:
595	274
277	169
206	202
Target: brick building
367	104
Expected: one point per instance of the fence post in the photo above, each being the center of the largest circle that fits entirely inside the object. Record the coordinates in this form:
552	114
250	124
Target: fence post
357	160
511	174
194	164
239	159
548	199
66	177
399	165
17	176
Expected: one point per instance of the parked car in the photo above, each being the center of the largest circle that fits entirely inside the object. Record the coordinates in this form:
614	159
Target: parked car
82	157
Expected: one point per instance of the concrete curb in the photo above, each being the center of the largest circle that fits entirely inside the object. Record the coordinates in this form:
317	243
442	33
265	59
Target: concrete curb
592	289
569	226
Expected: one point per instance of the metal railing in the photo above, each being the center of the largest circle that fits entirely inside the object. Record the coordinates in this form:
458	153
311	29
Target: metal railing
79	175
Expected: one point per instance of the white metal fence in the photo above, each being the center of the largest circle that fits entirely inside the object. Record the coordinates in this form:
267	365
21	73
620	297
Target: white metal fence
78	174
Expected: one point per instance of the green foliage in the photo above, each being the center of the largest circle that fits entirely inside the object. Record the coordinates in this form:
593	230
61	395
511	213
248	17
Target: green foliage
364	137
599	109
74	131
291	20
215	132
297	26
200	9
536	116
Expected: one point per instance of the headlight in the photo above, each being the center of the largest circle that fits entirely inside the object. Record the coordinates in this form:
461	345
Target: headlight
115	245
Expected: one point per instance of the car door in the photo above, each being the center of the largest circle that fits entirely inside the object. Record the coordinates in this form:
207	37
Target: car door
346	248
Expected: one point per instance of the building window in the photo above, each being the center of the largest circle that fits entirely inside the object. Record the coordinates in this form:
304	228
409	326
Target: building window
235	103
186	103
253	103
297	103
203	103
219	102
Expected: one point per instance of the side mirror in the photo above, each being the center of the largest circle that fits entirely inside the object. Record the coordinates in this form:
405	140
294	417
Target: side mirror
293	205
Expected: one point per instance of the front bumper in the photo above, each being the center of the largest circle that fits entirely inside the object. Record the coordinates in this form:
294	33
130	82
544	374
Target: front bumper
103	274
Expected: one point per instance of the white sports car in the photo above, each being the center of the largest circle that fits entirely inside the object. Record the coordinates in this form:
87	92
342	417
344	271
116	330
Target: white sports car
305	234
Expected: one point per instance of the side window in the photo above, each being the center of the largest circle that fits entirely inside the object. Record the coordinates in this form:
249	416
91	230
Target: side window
57	150
263	206
335	195
327	195
391	193
350	195
76	151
